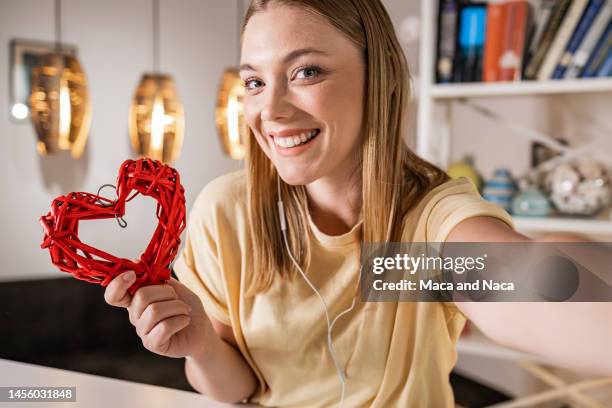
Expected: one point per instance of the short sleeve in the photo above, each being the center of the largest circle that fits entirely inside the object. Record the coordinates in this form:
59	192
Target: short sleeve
197	264
458	203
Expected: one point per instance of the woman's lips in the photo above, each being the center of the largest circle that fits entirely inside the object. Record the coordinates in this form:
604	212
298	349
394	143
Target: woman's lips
294	144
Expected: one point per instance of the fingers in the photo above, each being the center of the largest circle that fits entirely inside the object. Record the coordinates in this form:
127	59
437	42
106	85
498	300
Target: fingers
157	313
147	295
158	339
116	293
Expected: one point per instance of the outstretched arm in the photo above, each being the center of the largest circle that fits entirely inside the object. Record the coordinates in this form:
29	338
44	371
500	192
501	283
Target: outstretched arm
574	335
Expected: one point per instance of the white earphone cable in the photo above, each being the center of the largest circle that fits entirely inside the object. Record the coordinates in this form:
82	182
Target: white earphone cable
330	325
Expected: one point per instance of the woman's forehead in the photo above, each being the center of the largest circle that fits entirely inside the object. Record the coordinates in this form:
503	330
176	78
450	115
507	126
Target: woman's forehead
280	30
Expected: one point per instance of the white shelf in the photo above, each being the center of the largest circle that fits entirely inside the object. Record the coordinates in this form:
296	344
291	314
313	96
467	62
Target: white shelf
584	226
522	88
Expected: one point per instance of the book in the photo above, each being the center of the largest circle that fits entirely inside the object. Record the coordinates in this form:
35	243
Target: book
586	21
517	23
599	54
587	46
493	41
543	15
468	62
447	38
552	26
570	21
606	68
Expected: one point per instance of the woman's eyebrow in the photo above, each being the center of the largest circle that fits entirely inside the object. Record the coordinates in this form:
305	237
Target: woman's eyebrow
289	57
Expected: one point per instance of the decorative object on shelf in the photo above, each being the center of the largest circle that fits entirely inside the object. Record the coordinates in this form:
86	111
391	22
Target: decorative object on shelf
147	177
530	201
60	108
500	189
580	187
541	152
465	168
156	118
229	115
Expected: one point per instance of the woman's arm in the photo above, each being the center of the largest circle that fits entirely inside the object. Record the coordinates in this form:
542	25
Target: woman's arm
574	335
220	370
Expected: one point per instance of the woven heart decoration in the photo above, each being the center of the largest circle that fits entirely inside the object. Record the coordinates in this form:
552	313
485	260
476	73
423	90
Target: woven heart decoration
148	177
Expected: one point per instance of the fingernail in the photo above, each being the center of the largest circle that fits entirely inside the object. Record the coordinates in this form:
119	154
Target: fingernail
129	276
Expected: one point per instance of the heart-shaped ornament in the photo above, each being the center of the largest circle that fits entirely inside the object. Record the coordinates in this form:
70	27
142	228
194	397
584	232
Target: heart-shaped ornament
148	177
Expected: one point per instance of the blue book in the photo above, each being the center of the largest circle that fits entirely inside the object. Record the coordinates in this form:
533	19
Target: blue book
606	68
586	20
599	54
472	22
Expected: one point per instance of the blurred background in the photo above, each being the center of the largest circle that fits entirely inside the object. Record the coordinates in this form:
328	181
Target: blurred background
514	95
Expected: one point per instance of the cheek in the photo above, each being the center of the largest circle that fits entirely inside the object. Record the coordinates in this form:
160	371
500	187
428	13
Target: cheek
342	108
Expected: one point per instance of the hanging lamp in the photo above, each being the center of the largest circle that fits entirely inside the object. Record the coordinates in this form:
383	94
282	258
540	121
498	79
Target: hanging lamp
229	114
59	100
156	118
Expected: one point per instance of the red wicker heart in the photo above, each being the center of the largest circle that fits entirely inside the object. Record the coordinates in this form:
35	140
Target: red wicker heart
147	177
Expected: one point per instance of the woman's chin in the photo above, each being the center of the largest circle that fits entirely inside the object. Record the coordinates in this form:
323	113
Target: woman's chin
295	177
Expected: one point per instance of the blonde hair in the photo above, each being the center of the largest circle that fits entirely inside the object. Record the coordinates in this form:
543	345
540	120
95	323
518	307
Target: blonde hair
394	179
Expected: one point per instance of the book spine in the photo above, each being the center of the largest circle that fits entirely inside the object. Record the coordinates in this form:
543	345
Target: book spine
517	16
581	56
586	21
553	24
447	37
543	17
493	41
561	39
471	43
606	68
599	54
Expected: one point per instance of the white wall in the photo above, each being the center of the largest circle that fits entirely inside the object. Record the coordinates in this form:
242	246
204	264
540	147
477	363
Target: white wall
198	40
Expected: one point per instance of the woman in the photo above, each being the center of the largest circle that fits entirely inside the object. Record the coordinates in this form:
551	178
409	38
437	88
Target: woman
326	94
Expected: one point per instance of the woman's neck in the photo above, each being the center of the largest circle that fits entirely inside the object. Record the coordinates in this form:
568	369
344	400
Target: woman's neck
335	203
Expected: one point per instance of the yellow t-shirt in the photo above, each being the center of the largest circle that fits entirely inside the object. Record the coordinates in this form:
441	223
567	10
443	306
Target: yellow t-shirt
396	354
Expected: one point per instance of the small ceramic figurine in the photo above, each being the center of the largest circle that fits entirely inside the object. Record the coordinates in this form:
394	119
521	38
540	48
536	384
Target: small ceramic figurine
530	201
500	189
580	187
465	168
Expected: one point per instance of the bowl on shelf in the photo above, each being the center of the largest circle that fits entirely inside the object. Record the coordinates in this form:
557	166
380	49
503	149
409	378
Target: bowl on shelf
531	202
579	188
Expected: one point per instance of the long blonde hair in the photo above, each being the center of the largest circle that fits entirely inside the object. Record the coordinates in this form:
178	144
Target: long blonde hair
394	179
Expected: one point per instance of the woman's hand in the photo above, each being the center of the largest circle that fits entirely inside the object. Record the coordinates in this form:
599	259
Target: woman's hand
169	318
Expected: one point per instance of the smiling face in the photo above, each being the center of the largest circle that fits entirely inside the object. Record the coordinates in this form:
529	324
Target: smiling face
304	93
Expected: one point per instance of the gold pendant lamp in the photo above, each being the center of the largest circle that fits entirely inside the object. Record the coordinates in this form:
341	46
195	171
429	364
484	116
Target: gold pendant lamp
229	114
59	100
156	119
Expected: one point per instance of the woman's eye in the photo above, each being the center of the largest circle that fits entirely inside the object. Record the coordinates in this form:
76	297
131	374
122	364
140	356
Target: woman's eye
252	83
308	73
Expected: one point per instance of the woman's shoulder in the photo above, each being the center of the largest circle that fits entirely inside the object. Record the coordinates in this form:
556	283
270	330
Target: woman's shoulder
446	205
459	188
226	193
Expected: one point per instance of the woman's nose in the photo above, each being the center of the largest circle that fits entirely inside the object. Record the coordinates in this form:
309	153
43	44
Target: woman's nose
275	104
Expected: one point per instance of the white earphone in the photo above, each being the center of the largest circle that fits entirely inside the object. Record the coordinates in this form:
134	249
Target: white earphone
330	325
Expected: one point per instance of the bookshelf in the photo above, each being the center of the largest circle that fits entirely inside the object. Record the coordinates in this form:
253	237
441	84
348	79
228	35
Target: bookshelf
523	88
434	116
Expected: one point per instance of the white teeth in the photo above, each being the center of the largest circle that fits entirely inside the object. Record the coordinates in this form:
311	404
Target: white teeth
291	141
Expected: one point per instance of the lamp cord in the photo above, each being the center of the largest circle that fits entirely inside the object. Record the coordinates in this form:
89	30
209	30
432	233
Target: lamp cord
156	25
239	17
58	25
